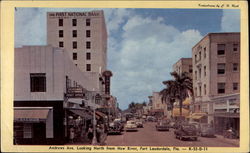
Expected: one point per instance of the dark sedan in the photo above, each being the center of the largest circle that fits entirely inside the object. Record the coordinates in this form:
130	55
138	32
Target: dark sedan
162	125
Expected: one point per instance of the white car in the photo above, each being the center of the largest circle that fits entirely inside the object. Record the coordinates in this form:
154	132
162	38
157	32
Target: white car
131	126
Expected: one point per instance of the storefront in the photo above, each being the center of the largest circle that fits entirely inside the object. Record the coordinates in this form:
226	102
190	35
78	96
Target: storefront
33	125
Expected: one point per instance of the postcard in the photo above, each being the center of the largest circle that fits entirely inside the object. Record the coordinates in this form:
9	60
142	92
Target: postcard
124	76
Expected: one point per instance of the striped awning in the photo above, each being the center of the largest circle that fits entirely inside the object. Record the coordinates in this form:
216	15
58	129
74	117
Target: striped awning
30	115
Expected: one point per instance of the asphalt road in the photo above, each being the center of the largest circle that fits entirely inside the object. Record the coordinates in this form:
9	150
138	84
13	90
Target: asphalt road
148	136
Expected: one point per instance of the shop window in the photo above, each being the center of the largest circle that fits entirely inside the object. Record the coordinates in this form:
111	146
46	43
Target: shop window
221	49
27	131
37	82
221	88
60	22
221	68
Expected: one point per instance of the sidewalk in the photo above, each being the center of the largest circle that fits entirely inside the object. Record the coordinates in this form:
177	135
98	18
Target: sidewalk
230	141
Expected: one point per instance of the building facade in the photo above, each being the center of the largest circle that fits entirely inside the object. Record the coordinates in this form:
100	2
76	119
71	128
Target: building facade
184	65
84	36
216	71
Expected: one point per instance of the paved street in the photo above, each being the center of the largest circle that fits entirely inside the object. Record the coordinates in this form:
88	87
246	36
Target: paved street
148	136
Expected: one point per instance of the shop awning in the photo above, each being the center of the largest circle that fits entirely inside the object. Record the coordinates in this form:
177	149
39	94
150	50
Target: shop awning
31	115
176	112
100	114
197	116
75	100
81	113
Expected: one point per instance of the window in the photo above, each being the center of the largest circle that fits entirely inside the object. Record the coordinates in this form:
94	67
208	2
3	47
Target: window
27	130
235	47
235	66
195	57
87	22
37	82
221	49
221	88
205	50
87	33
195	75
88	44
196	91
199	55
205	89
74	56
221	68
60	43
88	67
88	56
235	86
74	33
200	90
60	22
60	33
190	69
74	22
199	72
74	44
205	70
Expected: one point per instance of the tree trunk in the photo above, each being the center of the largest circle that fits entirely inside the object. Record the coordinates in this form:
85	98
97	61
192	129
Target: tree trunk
180	108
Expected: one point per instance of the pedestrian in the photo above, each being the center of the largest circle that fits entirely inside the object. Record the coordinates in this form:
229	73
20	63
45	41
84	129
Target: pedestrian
98	133
90	133
71	134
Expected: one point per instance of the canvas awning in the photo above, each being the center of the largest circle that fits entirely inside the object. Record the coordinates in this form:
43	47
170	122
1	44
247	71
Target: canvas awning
100	114
187	101
197	116
176	112
75	100
30	114
81	113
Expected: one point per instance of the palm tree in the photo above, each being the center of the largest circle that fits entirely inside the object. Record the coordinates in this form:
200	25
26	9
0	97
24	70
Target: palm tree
177	89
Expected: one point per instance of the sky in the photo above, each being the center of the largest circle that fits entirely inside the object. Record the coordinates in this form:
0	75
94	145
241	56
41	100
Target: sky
143	44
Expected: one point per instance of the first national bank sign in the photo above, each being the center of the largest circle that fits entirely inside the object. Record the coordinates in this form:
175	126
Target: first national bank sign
74	14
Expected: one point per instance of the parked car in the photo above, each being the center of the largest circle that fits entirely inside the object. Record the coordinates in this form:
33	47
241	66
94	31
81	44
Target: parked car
197	126
151	119
186	131
162	125
131	126
115	128
171	124
139	123
207	130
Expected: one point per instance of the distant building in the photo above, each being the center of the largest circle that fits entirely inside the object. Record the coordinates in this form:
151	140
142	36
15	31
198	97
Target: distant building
216	78
184	65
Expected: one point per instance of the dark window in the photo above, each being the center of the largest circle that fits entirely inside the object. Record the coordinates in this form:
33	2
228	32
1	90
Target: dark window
199	55
235	86
205	52
74	56
196	92
205	89
221	87
74	44
235	66
87	22
60	23
60	43
87	33
200	90
195	58
195	75
199	72
221	68
60	33
88	44
88	56
88	68
221	49
74	33
37	82
205	70
74	22
235	47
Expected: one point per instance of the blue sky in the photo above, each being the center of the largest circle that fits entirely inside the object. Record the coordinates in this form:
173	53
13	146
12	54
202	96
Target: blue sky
143	44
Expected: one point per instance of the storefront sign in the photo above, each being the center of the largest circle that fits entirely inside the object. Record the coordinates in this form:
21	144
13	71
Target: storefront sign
74	14
28	119
75	92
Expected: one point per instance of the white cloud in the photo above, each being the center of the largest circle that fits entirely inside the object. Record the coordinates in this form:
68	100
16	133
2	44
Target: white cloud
148	49
230	21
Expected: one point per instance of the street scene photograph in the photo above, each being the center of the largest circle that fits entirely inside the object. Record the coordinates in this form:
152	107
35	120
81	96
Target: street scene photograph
127	77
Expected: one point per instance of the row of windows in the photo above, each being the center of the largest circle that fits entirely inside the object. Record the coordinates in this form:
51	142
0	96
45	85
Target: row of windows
74	33
74	44
88	56
220	51
74	22
220	88
221	69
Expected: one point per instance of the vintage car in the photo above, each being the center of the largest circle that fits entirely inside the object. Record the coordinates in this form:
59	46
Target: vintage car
139	123
186	131
207	130
151	119
131	126
115	128
162	125
197	126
